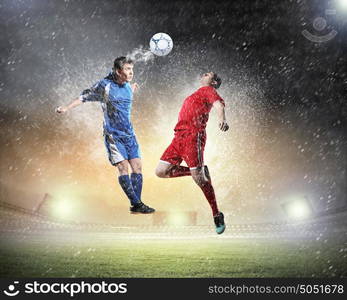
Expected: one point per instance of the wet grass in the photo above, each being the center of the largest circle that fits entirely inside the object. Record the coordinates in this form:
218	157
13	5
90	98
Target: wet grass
172	258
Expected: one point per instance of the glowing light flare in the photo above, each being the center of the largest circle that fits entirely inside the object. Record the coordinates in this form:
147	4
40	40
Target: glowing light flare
62	209
178	219
342	4
297	207
299	210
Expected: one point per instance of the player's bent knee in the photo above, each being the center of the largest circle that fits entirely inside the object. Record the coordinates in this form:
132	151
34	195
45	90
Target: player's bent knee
136	165
122	168
160	172
137	170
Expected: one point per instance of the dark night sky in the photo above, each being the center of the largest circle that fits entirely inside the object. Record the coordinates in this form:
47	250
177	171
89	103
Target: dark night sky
261	38
291	89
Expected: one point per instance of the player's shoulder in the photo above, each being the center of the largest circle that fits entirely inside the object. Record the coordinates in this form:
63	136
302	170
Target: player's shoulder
99	85
210	88
200	90
206	90
102	82
128	87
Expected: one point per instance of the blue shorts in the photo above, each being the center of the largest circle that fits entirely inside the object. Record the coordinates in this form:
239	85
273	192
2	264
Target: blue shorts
121	148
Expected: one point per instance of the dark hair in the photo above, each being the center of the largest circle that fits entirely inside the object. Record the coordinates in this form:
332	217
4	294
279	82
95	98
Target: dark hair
119	62
217	79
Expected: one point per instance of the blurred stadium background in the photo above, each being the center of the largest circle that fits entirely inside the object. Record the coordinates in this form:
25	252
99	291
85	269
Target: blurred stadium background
279	173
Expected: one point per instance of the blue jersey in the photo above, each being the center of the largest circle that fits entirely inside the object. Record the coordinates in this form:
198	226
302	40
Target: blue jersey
116	102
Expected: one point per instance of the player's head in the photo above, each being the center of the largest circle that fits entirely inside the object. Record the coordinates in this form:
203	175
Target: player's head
211	79
123	69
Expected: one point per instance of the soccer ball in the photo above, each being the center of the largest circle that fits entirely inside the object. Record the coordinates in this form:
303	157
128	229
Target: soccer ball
161	44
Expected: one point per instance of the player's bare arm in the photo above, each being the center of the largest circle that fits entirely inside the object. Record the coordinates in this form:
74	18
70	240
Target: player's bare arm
223	125
64	109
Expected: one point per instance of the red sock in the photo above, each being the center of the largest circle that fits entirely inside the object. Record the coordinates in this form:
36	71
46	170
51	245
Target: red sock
179	171
208	190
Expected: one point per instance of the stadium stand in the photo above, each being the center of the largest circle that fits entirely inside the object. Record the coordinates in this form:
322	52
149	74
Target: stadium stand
17	220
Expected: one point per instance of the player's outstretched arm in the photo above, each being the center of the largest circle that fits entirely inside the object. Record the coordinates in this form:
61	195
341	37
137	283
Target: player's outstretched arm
64	109
223	125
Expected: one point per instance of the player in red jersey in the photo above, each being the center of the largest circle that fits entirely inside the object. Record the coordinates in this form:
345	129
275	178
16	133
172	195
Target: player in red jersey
190	138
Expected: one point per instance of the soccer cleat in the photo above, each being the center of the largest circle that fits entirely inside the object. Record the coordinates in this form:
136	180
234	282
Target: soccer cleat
141	208
219	222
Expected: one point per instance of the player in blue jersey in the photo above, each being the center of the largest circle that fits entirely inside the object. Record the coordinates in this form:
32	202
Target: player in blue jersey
115	94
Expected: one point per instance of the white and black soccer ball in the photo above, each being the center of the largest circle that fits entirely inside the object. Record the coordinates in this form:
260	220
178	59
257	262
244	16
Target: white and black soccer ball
161	44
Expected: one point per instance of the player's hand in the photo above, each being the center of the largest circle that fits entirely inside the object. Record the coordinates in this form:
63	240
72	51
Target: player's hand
61	110
135	87
223	126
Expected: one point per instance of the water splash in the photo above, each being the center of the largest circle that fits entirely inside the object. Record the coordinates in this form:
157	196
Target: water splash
141	55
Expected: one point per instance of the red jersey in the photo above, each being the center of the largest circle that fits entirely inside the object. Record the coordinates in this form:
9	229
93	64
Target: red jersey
196	108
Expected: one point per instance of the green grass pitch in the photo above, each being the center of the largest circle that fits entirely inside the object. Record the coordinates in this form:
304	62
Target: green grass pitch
209	257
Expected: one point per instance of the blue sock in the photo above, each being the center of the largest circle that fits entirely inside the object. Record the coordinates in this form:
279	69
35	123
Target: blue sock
127	187
136	180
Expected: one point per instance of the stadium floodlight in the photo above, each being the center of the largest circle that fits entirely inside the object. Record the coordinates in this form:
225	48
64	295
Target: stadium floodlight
297	207
177	219
342	4
62	209
298	210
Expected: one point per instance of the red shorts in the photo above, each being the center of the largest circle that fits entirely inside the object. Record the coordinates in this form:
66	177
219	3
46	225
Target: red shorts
187	146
